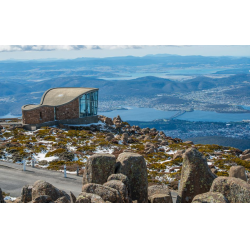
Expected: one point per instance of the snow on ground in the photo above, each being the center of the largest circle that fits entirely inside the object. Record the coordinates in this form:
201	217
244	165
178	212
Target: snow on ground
41	157
7	198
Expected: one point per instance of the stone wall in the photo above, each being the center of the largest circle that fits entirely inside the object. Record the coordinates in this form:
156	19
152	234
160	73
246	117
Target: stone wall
38	115
68	111
84	120
46	114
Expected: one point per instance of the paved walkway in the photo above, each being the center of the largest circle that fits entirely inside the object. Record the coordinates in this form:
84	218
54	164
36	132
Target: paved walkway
13	178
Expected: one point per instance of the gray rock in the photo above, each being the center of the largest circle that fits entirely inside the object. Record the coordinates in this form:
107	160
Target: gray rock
89	198
42	199
134	167
238	172
123	178
72	197
62	199
245	157
210	197
178	154
43	188
1	196
120	187
234	189
106	193
162	190
246	152
98	168
196	176
26	194
159	198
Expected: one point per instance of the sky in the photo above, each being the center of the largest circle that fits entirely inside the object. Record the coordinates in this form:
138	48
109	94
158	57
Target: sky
30	52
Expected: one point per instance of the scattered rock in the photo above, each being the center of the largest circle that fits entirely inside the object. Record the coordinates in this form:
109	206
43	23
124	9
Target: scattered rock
62	199
188	142
234	189
98	168
178	154
196	176
42	199
246	152
134	167
106	193
245	157
238	172
108	121
159	198
210	197
89	198
162	190
1	196
120	187
43	188
125	138
26	194
72	197
123	178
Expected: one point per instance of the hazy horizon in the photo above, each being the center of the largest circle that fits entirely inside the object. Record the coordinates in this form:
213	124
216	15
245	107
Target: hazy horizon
42	52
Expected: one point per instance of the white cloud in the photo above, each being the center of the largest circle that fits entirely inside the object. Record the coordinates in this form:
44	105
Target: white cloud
10	48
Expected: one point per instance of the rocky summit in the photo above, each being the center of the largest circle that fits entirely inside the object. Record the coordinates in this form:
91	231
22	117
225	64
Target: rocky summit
120	163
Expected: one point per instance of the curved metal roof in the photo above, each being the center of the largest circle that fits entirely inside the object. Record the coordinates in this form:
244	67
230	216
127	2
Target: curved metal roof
59	96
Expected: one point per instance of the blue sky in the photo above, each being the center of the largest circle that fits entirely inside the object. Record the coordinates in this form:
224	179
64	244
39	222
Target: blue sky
74	51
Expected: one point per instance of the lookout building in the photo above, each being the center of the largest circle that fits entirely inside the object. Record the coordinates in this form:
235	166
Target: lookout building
63	106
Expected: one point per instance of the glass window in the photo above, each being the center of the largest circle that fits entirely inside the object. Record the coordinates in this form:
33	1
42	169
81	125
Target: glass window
89	104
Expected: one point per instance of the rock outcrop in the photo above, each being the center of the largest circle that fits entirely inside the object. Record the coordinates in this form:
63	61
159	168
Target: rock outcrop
238	172
159	194
196	176
234	189
98	168
1	196
123	178
43	188
120	187
134	167
210	197
105	192
26	194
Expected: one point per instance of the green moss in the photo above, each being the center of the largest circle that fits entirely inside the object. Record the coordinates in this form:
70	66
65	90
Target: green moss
55	152
49	138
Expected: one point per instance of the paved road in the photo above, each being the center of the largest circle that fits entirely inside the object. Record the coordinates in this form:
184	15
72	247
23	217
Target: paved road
13	178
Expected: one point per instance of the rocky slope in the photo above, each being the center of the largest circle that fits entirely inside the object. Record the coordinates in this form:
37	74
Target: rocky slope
165	160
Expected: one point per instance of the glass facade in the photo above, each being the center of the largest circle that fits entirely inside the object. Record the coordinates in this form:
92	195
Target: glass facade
89	104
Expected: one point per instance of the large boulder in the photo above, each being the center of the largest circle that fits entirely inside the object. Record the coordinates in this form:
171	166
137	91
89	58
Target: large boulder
123	178
26	194
1	196
245	157
210	197
72	197
134	167
178	154
42	199
89	198
106	193
120	187
162	190
238	172
98	168
196	176
43	188
62	199
159	198
234	189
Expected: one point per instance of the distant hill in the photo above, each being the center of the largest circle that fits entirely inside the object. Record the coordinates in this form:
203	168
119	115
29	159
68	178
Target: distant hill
241	144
